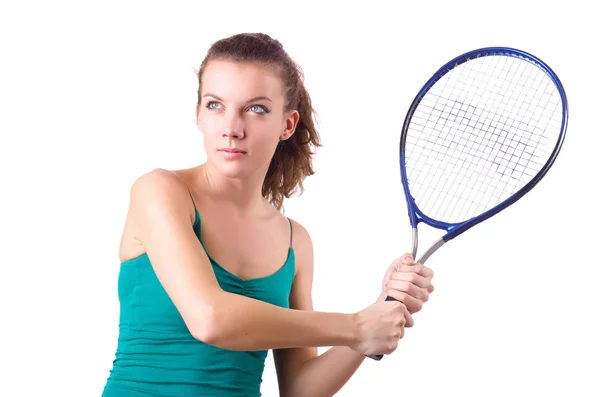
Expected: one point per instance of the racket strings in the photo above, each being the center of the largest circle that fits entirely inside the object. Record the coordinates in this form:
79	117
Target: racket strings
447	115
500	159
495	142
480	134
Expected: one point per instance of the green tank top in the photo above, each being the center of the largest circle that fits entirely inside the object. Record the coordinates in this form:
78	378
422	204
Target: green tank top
156	354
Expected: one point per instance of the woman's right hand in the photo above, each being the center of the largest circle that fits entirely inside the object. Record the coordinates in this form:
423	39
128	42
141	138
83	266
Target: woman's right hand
380	327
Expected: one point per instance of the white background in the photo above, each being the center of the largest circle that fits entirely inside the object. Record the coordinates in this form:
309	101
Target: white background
93	94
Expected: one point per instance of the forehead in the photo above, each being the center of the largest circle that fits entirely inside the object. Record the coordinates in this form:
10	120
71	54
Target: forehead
238	81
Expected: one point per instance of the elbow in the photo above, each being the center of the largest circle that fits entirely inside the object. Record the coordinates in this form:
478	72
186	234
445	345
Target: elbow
202	327
209	326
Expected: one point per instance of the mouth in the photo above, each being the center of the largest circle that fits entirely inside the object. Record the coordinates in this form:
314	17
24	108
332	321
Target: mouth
232	150
232	153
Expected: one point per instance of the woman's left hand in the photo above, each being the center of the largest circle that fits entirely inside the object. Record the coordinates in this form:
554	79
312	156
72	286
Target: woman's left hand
408	282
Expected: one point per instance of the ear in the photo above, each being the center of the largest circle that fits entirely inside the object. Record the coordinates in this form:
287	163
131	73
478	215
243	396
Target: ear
291	122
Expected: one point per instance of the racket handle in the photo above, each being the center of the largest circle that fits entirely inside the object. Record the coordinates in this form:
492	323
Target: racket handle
378	357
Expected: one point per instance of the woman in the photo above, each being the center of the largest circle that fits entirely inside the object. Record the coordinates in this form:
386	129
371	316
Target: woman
213	275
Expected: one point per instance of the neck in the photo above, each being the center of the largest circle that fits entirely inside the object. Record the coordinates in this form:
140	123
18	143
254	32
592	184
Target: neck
242	193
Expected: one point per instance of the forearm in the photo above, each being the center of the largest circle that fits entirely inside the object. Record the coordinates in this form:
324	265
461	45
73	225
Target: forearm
326	374
241	323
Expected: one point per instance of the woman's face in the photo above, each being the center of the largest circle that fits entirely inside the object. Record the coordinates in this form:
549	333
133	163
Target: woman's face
241	116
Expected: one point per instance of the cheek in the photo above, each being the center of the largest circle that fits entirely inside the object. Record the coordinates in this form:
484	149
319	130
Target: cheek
265	138
204	124
209	130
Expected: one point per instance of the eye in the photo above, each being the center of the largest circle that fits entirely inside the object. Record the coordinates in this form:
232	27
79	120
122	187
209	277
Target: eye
212	105
258	109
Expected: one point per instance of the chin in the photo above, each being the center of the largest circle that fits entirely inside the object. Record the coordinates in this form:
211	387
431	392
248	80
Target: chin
233	169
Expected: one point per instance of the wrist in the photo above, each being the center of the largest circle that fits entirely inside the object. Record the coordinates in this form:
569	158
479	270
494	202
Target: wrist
353	335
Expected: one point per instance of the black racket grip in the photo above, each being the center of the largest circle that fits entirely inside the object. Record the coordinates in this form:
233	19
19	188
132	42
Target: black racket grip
378	357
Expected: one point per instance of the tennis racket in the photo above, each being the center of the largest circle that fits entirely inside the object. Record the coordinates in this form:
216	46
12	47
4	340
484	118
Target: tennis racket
479	135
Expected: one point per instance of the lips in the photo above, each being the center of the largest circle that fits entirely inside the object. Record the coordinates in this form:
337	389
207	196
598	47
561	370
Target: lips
231	150
232	153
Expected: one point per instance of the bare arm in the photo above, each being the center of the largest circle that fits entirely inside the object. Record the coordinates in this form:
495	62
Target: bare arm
326	374
301	371
160	209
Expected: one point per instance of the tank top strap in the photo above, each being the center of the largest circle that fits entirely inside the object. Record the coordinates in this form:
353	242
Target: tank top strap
196	213
189	192
291	231
192	197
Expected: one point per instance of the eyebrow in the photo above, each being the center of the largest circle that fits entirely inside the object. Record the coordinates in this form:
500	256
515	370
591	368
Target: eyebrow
257	98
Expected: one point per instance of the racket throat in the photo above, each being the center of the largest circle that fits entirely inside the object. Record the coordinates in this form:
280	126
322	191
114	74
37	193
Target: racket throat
415	242
429	252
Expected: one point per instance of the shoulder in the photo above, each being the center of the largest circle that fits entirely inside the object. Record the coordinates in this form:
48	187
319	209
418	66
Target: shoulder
160	183
156	179
159	190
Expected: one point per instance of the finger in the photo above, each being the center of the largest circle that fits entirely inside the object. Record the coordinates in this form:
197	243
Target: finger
414	278
418	268
409	319
407	259
413	305
411	277
408	288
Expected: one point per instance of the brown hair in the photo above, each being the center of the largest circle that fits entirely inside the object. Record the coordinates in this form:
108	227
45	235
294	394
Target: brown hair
292	161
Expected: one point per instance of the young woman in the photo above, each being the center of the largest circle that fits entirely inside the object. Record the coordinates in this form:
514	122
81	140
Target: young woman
213	275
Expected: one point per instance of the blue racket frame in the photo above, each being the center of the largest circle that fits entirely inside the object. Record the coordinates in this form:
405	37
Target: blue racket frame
453	230
416	216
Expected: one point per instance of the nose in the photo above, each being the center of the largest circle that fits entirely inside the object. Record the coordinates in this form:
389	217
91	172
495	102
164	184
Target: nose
233	126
